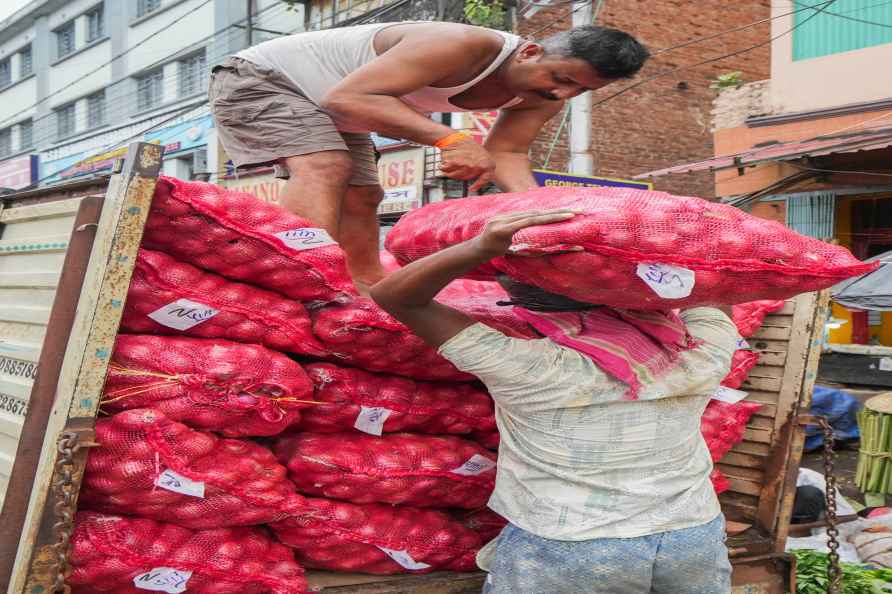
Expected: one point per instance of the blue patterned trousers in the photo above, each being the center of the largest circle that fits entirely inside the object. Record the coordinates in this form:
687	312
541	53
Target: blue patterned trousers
688	561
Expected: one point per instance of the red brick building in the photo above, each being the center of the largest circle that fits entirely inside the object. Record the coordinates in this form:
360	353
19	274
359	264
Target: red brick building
666	121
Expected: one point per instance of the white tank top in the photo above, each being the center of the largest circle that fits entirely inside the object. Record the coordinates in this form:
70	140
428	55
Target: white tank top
316	61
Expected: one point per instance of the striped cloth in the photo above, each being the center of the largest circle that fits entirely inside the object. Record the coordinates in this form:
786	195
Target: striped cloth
633	346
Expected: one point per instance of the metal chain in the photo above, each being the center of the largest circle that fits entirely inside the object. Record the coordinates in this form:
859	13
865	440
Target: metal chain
834	573
64	508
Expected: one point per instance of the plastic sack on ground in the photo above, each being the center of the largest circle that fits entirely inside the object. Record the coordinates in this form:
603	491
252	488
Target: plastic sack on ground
398	468
742	362
841	410
245	239
170	297
748	317
210	384
635	248
362	334
377	403
723	425
485	522
122	555
378	539
150	466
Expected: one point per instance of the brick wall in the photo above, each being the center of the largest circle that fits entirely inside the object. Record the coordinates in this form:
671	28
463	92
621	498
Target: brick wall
663	122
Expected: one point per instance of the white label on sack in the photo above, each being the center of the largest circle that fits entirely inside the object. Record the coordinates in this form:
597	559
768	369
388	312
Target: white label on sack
306	238
743	345
667	281
475	465
371	419
177	483
886	364
404	559
729	395
163	579
182	314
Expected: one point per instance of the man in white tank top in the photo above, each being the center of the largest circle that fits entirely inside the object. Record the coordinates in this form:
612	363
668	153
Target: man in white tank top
308	102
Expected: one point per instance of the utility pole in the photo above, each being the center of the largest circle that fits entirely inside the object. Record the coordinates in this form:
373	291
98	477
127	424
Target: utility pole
581	161
249	22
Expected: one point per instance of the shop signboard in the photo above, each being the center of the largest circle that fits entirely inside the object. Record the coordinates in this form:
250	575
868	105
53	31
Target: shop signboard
550	179
401	174
19	172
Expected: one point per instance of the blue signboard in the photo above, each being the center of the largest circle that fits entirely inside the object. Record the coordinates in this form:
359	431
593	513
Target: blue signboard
552	179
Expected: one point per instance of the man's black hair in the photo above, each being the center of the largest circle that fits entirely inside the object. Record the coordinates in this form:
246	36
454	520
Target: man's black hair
611	52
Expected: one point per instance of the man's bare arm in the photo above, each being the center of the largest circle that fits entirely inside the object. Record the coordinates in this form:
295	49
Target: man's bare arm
370	95
408	294
509	143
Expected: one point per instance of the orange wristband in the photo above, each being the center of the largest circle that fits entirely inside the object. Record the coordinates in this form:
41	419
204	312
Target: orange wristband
451	139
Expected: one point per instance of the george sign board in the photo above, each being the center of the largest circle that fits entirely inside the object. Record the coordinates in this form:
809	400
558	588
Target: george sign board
401	174
547	178
19	173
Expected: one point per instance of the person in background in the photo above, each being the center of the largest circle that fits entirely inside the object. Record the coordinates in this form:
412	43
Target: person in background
603	473
308	102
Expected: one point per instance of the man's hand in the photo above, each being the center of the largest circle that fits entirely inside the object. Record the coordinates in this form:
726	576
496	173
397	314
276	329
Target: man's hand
467	160
499	231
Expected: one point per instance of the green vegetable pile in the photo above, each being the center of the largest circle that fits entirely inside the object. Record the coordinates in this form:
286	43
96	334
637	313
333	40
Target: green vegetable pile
811	576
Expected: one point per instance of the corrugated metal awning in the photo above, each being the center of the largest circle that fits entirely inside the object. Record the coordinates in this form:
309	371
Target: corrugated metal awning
863	139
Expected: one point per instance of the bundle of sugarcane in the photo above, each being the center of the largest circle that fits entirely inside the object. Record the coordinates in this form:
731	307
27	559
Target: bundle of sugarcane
874	472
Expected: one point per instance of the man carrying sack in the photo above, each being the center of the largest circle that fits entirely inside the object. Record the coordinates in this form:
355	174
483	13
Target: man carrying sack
308	102
603	473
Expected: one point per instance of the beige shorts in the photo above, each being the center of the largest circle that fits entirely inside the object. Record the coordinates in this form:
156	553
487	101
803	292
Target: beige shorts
261	118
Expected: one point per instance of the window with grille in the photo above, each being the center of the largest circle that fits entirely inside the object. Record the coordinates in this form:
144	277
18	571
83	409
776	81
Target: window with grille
144	7
5	142
65	121
95	24
150	90
192	74
65	39
26	66
96	109
5	72
26	135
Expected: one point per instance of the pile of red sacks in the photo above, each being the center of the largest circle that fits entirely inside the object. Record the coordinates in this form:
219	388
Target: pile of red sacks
250	387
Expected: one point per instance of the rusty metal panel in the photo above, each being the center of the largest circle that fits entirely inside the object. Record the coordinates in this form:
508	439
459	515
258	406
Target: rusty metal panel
33	242
95	326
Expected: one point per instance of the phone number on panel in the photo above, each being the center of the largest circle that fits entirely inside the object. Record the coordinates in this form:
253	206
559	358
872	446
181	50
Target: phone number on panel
14	405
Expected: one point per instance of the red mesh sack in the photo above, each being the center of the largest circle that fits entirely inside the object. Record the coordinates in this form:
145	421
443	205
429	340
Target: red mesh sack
245	239
731	256
719	482
748	317
485	522
378	539
364	335
111	553
153	467
488	439
378	403
185	300
215	385
399	468
723	425
477	299
742	362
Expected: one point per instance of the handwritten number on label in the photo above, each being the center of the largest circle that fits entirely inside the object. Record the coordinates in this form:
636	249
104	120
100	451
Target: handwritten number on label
667	281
